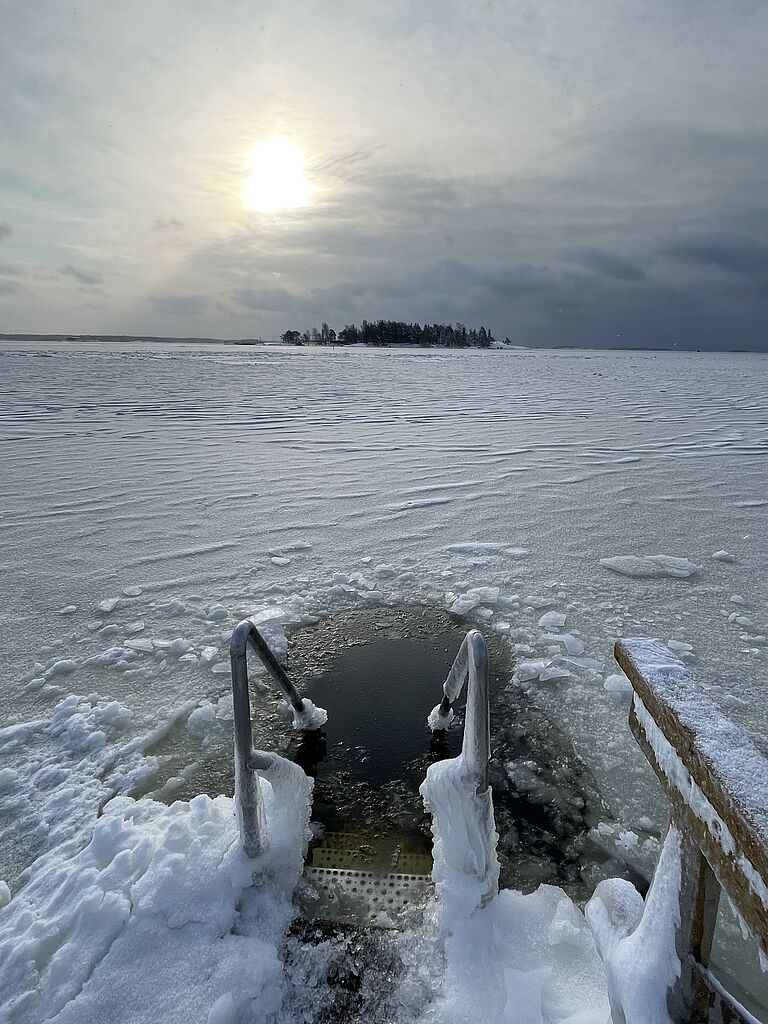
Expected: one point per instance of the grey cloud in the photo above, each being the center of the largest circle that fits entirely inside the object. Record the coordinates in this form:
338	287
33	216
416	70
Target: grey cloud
180	305
84	277
278	300
168	224
12	270
736	254
340	298
9	288
608	264
5	230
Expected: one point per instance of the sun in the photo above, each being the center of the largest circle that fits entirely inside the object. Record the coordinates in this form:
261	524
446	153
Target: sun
277	179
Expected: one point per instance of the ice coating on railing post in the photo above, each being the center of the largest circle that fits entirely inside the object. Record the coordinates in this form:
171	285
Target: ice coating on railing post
310	717
249	807
477	738
456	792
466	868
248	762
248	801
437	721
636	939
470	664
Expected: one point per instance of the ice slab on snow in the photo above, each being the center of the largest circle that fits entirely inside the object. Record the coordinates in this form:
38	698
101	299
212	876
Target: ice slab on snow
724	556
617	682
552	620
650	566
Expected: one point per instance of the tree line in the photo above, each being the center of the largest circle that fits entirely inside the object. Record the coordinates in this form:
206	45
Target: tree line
393	332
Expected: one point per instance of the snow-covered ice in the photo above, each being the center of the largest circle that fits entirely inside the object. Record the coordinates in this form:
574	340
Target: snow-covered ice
302	455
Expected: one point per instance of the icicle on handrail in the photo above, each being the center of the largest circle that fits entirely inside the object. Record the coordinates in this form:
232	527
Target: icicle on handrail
456	791
471	663
248	760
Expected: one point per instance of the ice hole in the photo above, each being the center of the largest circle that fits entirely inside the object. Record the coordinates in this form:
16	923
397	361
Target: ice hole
378	672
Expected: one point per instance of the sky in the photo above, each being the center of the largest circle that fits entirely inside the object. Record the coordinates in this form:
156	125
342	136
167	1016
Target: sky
565	173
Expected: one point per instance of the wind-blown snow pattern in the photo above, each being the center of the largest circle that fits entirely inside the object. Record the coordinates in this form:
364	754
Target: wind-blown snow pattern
155	496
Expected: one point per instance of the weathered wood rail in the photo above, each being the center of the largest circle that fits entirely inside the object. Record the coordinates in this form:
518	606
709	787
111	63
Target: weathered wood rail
717	785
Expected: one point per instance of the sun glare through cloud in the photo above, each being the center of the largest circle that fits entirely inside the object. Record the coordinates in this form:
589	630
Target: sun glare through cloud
277	181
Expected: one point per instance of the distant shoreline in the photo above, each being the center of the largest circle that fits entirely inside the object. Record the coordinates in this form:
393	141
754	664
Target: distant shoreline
138	339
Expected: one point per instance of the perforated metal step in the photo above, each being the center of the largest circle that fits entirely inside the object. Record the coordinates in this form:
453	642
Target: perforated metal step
373	880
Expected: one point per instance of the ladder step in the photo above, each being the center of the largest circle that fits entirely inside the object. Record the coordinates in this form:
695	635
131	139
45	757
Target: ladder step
361	897
383	854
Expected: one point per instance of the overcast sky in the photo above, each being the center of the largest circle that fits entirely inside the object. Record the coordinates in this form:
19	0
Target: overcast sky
576	172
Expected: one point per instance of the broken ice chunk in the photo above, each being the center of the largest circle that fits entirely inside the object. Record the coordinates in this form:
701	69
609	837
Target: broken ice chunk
617	683
724	556
552	620
650	566
464	604
140	644
553	672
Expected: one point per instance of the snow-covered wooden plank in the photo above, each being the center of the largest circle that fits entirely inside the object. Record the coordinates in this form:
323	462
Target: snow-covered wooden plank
714	776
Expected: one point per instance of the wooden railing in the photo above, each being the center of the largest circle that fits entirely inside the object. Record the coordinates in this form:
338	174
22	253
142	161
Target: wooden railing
717	785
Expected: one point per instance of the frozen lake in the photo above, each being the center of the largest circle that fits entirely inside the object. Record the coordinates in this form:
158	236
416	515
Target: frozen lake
241	477
154	495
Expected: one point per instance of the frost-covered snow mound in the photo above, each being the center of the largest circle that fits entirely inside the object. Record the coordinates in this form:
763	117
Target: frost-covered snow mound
160	917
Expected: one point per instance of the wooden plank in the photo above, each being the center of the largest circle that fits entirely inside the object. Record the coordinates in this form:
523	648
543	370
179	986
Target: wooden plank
698	898
725	866
721	760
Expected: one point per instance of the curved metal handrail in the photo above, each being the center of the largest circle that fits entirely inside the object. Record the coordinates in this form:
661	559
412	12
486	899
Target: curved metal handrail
248	760
471	664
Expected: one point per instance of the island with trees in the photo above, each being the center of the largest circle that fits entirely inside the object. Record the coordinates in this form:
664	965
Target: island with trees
382	333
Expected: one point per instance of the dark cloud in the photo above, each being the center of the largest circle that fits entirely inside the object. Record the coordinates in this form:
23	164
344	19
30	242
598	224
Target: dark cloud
608	264
5	230
736	254
613	249
84	277
9	288
168	224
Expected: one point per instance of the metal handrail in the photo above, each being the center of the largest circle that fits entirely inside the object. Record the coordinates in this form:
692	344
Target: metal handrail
471	664
248	760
